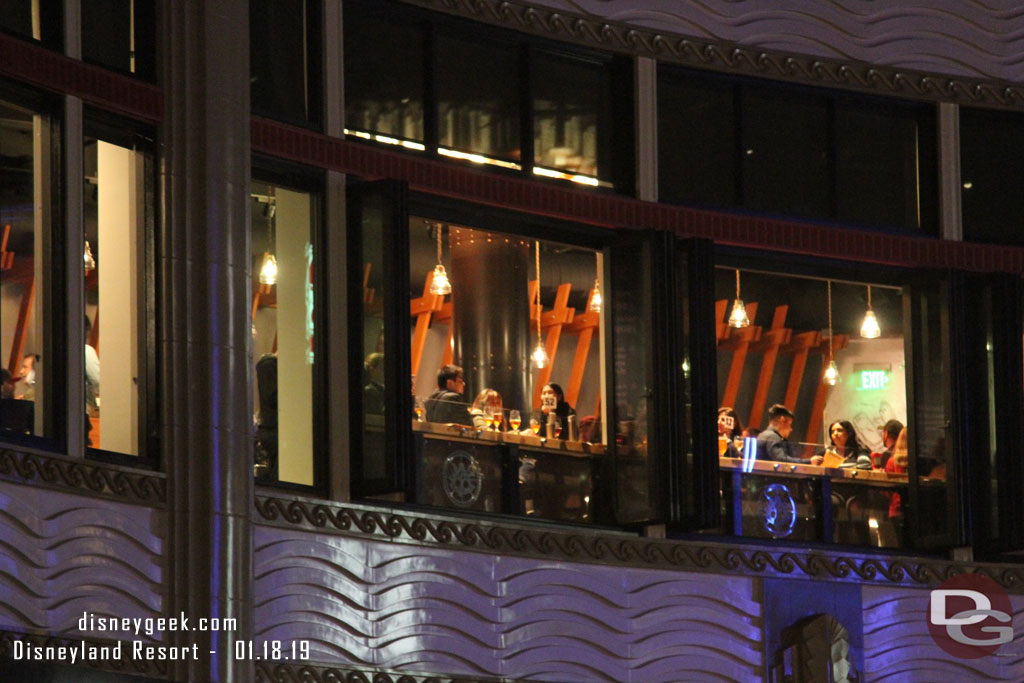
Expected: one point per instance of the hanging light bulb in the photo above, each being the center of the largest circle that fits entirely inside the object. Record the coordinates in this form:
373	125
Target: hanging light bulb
440	284
268	273
595	299
90	262
539	356
738	318
831	376
869	329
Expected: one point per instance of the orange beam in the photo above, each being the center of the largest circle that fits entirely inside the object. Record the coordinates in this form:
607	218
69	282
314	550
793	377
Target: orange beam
422	308
800	346
21	330
584	325
775	338
739	357
559	315
721	327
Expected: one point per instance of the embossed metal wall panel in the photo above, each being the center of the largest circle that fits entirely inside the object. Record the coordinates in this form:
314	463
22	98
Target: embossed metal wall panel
898	646
62	555
957	37
404	607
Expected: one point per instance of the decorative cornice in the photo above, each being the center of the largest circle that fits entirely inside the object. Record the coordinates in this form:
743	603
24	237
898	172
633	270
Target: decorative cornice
126	665
26	61
267	672
83	476
730	57
621	549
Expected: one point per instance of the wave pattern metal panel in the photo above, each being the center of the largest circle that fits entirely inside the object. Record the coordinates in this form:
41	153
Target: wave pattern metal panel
898	647
416	609
62	555
971	38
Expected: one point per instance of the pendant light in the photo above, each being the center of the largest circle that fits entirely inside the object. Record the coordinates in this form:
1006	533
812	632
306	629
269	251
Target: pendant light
738	318
268	272
90	261
440	284
869	329
539	356
831	376
595	298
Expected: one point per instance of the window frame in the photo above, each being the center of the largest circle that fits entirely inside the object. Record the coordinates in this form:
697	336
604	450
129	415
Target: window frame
312	180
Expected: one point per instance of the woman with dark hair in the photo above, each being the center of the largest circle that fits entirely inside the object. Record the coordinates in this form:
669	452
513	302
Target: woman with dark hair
844	444
552	401
730	432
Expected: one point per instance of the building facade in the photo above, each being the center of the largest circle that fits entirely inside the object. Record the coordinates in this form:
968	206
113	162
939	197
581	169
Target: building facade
652	218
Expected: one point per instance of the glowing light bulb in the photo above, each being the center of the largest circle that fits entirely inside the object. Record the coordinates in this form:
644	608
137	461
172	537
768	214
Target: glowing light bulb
831	376
540	356
440	284
596	300
268	273
869	329
738	318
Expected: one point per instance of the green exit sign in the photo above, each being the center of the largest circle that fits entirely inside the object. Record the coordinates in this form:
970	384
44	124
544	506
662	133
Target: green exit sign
873	380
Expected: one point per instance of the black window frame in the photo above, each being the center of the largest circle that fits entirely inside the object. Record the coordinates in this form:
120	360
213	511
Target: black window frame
103	125
54	308
676	499
310	179
924	113
963	418
622	147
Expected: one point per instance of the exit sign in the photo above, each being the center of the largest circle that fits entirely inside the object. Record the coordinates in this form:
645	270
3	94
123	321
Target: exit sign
873	380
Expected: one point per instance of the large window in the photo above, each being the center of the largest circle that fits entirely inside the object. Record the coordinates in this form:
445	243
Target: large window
856	455
29	273
726	142
283	329
118	197
488	97
991	167
284	60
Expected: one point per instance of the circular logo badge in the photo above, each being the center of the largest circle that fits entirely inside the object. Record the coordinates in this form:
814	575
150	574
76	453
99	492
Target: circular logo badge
778	510
462	478
970	616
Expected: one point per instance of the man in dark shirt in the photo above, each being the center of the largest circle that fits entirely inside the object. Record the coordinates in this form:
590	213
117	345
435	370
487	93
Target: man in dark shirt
773	443
890	432
446	403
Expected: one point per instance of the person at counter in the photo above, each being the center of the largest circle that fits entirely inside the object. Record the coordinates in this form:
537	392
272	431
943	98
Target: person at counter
446	403
487	402
730	431
773	443
890	433
844	445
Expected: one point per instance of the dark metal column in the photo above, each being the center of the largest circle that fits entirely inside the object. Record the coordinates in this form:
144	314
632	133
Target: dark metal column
491	309
204	339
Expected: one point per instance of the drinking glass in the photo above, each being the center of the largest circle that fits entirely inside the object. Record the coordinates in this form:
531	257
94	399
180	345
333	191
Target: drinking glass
418	407
497	414
556	428
535	425
515	420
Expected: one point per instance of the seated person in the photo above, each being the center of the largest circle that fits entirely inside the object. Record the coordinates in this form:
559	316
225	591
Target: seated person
552	401
897	464
844	444
890	432
773	443
730	433
486	401
446	403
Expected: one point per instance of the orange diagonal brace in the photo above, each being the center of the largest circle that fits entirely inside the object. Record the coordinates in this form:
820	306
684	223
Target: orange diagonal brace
422	308
583	325
770	342
739	357
721	327
559	315
800	346
28	298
